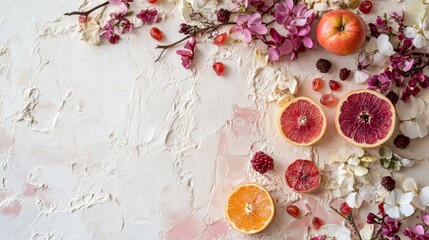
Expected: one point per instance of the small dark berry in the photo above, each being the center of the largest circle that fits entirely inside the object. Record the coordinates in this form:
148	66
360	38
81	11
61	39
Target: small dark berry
261	162
388	183
393	97
223	15
401	141
323	65
344	73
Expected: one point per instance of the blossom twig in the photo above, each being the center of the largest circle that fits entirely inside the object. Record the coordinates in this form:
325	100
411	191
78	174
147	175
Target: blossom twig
201	31
86	13
349	218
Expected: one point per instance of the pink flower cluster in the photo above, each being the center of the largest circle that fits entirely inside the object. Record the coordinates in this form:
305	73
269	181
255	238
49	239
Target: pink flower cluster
187	55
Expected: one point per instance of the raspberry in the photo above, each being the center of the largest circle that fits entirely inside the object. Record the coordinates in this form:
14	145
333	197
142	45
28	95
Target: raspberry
401	141
323	65
393	97
261	162
388	183
223	15
344	73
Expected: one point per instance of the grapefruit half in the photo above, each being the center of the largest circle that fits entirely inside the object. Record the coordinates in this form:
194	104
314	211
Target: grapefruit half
301	121
365	118
303	176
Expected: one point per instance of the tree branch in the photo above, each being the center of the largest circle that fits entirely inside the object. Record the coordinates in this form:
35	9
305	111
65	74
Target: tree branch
86	13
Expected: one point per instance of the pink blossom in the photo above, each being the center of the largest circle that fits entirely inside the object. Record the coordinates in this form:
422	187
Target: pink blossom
240	5
248	25
110	34
280	45
188	53
125	26
148	16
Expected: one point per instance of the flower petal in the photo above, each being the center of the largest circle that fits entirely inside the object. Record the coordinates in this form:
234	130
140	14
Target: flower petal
424	196
410	185
418	202
384	46
393	211
412	129
247	36
367	231
419	41
354	200
406	198
407	209
412	109
410	32
360	171
360	76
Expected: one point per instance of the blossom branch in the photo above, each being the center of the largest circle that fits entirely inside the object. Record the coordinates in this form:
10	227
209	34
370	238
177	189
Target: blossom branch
199	32
349	218
86	13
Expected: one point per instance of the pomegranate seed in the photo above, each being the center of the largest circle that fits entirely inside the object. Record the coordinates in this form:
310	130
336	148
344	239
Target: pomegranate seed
152	1
317	84
345	209
220	39
293	211
365	7
317	223
381	207
156	34
328	99
334	85
218	68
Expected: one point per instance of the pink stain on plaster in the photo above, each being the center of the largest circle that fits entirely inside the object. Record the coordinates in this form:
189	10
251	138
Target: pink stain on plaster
185	230
245	121
13	209
29	190
215	230
6	142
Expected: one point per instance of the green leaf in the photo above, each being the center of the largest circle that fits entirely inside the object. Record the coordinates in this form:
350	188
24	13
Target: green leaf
385	163
396	166
129	13
385	152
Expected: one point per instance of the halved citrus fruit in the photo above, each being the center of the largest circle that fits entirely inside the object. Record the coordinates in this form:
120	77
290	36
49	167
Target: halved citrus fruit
303	176
302	121
250	208
365	118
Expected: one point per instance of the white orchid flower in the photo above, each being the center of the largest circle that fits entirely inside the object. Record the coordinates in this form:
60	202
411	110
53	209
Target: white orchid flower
381	48
335	231
358	195
419	33
421	195
415	122
398	204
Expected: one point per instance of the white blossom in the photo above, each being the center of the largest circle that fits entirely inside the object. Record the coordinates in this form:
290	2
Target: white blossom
398	204
421	195
419	33
415	122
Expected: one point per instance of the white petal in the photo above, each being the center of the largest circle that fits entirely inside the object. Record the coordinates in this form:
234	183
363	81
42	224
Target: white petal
360	171
413	129
354	161
410	185
369	159
320	7
418	202
392	211
424	196
359	152
425	24
406	198
384	46
380	59
367	231
360	76
407	162
354	200
413	109
410	32
406	209
419	41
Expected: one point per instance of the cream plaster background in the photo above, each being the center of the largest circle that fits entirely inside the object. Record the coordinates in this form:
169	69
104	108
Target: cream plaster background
100	142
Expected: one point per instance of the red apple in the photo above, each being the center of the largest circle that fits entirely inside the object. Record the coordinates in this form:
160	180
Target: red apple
341	32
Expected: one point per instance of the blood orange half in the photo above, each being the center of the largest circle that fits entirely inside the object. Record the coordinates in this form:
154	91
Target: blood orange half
303	176
302	122
365	118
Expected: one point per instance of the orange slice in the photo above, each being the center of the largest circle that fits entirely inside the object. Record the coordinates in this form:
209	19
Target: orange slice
250	208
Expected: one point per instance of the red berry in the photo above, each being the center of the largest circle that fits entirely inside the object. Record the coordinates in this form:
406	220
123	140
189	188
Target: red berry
334	85
293	211
328	99
220	39
345	209
156	34
218	68
365	6
317	223
317	84
152	1
261	162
